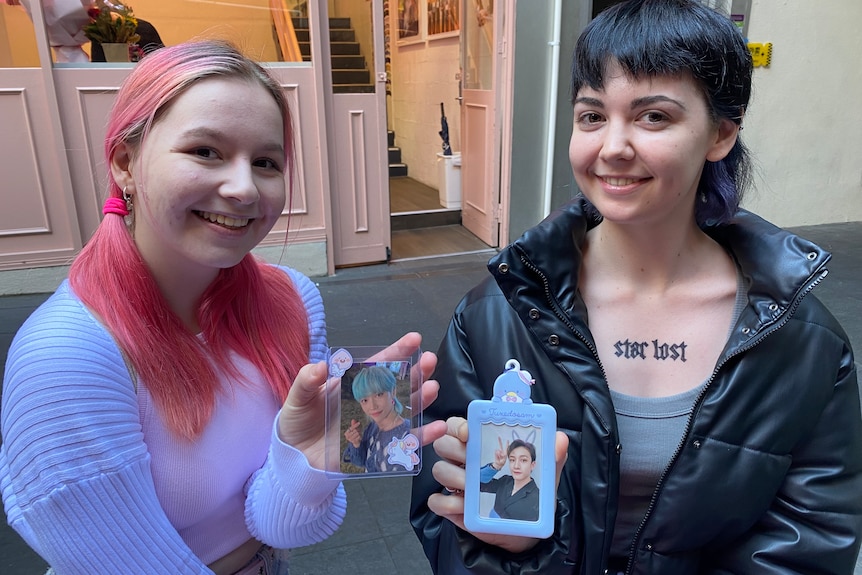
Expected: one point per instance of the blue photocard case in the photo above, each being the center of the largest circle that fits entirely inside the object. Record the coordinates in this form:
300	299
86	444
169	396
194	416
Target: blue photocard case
510	468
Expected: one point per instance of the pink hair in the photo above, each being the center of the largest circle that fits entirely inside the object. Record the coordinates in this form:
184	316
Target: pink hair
251	309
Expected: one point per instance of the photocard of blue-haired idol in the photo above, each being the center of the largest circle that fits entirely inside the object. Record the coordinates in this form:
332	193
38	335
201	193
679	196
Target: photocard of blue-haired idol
510	460
377	412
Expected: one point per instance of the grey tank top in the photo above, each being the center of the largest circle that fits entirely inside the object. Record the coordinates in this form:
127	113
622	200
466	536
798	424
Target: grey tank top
650	430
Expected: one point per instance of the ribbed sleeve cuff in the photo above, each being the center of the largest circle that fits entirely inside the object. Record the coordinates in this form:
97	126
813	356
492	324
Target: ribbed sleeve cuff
291	504
299	480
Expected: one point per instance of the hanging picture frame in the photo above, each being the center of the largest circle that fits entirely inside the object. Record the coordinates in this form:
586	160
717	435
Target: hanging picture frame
443	18
409	23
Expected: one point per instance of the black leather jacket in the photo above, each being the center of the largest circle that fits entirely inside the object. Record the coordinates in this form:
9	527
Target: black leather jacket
767	478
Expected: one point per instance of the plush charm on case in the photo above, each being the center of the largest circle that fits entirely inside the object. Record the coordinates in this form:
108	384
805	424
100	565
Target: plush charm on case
513	385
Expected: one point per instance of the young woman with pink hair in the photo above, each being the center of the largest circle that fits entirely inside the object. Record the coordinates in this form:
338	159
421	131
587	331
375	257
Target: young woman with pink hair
163	411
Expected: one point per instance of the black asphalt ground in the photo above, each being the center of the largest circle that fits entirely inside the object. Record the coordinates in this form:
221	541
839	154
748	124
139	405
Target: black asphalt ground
375	305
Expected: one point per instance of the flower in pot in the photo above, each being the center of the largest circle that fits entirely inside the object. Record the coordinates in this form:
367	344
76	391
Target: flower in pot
112	24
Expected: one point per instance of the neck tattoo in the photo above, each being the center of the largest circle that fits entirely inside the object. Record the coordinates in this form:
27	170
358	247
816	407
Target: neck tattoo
628	349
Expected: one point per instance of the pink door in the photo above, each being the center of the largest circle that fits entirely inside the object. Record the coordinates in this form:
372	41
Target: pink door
358	171
480	156
38	223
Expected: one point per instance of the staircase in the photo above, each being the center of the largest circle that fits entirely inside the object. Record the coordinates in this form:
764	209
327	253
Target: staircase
350	73
396	167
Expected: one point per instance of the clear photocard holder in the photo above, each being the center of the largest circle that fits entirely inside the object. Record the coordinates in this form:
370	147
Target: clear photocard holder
510	463
372	426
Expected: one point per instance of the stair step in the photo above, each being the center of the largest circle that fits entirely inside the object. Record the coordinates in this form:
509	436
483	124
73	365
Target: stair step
336	49
350	62
344	49
348	35
350	74
342	35
351	77
394	155
302	23
397	170
335	34
425	219
353	88
339	22
390	137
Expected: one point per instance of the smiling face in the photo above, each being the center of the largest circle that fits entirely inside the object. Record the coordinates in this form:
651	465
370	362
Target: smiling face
638	146
208	182
521	464
378	406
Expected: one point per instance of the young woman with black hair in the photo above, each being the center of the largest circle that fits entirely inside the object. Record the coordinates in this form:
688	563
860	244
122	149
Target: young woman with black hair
707	401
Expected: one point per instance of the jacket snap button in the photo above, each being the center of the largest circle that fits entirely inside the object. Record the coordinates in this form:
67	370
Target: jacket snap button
534	313
696	443
619	448
773	307
746	330
554	340
812	256
649	546
503	268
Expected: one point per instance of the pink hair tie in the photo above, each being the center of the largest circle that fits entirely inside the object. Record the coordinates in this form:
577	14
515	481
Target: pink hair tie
115	206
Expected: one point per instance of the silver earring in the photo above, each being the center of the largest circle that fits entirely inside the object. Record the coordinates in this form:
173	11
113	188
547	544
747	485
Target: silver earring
703	197
128	199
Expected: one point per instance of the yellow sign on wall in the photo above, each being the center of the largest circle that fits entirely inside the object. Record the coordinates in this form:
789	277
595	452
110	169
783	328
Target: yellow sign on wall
761	54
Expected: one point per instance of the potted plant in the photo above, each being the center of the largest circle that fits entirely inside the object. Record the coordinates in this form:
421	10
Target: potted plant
115	27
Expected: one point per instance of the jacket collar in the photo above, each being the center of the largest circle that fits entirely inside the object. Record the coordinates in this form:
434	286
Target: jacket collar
778	266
